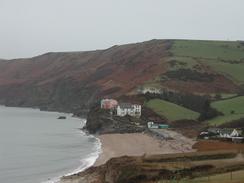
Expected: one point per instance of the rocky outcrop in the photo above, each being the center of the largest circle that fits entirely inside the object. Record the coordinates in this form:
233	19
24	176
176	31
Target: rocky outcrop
101	121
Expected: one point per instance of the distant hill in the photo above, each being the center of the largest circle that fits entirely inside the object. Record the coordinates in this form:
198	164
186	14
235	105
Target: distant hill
71	81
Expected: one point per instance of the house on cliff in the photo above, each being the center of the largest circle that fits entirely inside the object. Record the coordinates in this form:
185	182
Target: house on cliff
124	109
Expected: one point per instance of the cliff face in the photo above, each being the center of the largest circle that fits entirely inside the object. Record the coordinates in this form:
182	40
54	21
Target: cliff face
100	121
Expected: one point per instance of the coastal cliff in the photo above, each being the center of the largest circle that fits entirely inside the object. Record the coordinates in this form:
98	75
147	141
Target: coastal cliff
101	121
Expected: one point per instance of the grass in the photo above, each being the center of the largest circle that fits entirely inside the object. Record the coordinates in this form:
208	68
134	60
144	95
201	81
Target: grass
208	49
216	54
220	120
228	95
171	111
237	177
226	107
223	95
182	62
231	71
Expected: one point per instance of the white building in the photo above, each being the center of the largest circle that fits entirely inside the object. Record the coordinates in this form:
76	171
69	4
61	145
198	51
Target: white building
229	133
124	109
151	125
151	90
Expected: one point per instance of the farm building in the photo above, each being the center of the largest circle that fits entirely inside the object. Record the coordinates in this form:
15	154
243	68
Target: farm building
109	104
124	109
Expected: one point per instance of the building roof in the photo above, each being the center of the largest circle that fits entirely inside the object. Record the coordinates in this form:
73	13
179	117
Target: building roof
126	106
229	131
214	130
226	131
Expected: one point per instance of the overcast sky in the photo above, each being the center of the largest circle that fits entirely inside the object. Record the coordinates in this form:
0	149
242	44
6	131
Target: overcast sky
32	27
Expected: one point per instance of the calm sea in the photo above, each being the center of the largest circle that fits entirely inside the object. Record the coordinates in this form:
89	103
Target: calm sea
37	147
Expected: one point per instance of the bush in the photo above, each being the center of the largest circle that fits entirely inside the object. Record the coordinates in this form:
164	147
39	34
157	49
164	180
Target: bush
192	75
208	112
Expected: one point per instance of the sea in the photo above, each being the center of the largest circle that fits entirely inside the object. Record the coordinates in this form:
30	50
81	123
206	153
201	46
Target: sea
36	147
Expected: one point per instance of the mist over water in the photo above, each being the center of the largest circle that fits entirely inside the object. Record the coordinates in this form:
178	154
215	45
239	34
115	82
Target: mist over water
36	146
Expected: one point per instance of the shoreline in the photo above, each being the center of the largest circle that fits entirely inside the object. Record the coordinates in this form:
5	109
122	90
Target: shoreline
136	144
128	144
84	162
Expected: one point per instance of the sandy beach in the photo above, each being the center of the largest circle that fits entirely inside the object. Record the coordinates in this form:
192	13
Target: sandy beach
136	144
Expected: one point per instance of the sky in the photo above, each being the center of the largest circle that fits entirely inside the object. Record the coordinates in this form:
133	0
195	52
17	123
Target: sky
33	27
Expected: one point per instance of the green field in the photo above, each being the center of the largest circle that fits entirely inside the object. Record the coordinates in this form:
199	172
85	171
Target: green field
231	71
208	49
171	111
182	62
233	109
219	55
227	95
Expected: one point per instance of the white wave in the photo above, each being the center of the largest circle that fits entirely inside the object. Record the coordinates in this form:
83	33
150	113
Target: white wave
85	163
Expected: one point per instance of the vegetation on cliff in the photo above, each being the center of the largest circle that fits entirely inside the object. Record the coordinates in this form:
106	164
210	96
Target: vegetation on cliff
101	121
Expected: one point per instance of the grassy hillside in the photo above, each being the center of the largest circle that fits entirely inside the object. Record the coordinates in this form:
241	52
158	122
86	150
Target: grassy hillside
232	109
209	49
171	111
233	71
226	58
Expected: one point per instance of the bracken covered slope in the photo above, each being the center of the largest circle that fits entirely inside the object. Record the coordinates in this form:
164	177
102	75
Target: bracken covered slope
71	81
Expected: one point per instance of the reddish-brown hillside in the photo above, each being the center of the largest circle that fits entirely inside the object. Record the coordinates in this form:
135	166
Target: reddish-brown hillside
72	79
69	81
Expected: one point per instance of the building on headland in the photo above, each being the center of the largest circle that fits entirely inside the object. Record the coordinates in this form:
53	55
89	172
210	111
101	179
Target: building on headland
124	109
151	90
109	104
